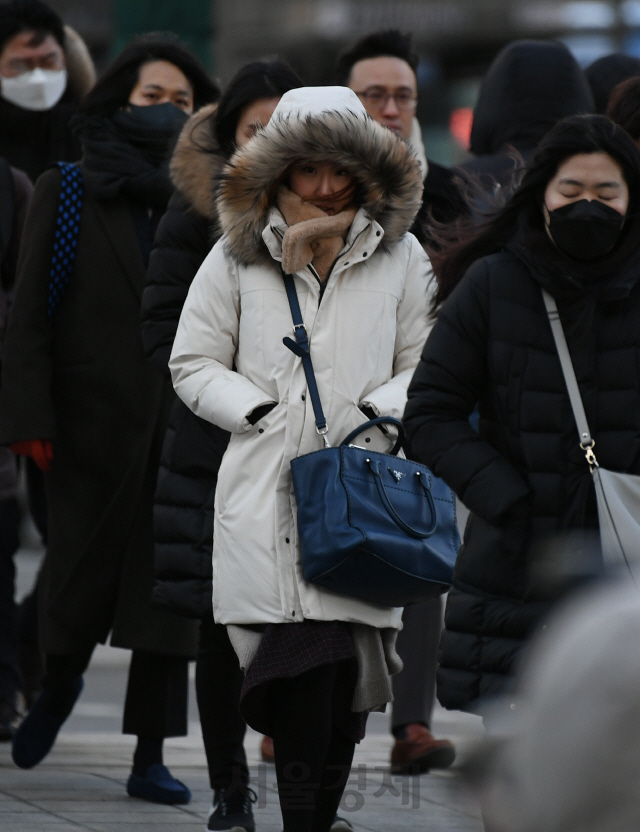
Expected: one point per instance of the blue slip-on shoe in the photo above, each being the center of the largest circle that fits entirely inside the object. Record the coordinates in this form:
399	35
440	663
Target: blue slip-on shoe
158	786
37	732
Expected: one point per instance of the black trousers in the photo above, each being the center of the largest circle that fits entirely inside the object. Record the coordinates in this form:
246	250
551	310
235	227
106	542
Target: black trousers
218	685
313	756
9	543
157	690
414	688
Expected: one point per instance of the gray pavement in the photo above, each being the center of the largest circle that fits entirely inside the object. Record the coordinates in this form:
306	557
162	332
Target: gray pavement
81	785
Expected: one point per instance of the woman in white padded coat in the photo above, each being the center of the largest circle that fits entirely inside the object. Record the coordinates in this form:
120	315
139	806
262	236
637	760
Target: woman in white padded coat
328	195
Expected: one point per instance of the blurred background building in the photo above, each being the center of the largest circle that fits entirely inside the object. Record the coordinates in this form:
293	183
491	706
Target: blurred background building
456	39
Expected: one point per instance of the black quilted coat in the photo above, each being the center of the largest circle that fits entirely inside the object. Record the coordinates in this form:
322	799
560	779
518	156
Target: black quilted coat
193	448
492	345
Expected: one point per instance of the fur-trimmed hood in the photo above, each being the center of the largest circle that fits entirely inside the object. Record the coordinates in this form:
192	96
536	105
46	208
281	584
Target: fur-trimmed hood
81	73
318	124
197	162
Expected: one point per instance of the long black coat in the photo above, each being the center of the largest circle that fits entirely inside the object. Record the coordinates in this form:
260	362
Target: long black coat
85	384
193	448
492	344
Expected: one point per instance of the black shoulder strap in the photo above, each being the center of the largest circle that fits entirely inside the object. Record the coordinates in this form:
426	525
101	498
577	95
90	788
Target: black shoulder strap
67	233
7	206
301	348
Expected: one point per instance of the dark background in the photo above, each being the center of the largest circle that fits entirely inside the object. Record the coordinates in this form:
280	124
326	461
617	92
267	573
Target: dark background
456	39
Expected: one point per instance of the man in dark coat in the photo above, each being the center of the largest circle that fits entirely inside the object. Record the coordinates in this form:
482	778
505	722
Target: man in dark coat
529	87
134	403
79	396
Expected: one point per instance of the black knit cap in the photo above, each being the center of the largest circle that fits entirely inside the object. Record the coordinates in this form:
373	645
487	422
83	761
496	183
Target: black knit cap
29	16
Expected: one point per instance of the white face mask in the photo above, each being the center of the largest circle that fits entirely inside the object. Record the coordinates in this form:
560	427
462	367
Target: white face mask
40	89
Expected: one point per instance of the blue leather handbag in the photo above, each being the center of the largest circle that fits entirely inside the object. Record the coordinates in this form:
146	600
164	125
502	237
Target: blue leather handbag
372	526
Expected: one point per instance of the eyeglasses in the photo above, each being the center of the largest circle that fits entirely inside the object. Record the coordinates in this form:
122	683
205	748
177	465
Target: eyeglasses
376	99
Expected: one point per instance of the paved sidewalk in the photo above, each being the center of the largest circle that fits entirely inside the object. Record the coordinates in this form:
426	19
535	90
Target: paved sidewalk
81	785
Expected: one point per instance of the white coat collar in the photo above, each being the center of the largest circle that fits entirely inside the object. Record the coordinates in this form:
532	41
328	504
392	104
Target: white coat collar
364	237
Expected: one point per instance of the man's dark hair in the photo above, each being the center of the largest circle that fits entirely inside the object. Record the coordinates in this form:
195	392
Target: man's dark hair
390	43
624	107
18	16
114	87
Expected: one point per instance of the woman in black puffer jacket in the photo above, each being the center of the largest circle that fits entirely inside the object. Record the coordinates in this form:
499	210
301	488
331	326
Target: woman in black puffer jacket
193	448
573	228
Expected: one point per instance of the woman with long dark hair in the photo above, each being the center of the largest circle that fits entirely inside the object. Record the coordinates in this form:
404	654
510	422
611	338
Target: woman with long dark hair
79	397
193	448
572	228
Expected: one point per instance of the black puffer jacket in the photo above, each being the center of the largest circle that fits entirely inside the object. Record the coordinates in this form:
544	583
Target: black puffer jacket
523	476
530	86
193	448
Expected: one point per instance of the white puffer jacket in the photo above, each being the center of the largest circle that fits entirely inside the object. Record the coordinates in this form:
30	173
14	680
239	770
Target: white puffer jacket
366	334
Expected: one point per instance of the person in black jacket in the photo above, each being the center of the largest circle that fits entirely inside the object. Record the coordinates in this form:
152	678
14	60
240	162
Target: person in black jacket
193	448
529	87
572	228
79	397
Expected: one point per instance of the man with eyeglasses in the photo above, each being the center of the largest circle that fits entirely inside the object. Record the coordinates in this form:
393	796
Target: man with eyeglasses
381	69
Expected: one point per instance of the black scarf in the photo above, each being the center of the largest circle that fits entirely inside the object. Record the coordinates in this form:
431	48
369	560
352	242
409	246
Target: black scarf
121	155
580	287
566	278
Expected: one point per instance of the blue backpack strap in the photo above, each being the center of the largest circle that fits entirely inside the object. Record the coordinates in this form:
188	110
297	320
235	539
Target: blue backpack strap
67	233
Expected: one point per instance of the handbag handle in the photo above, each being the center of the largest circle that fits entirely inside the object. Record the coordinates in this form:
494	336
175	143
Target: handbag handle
386	502
380	420
586	440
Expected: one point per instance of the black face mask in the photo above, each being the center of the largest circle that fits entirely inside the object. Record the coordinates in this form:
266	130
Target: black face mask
585	230
164	117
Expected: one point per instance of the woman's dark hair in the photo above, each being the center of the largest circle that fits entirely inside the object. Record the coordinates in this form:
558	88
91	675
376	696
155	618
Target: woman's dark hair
29	16
570	137
259	79
113	89
624	107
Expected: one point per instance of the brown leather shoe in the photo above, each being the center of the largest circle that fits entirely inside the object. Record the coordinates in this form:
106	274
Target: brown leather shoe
419	751
266	750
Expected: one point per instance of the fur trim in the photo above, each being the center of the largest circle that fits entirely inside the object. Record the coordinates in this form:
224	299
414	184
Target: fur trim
387	174
198	161
80	69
